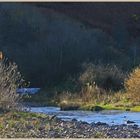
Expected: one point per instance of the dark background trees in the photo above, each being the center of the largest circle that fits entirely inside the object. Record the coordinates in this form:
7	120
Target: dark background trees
51	42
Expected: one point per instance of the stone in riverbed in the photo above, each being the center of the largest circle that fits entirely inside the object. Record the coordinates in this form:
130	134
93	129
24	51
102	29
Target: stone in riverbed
29	127
41	128
129	122
65	107
96	108
74	120
101	123
135	126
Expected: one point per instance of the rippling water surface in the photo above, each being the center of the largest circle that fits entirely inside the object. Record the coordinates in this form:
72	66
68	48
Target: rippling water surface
109	117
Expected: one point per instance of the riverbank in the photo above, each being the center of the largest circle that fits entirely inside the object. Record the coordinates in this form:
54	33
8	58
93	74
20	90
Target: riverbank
68	105
35	125
86	107
93	107
42	100
70	101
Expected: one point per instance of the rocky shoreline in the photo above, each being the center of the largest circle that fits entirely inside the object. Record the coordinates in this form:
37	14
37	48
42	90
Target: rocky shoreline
19	125
77	129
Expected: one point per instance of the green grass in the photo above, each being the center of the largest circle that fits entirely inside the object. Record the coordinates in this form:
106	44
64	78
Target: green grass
112	107
135	109
86	107
23	115
22	122
25	118
45	101
104	107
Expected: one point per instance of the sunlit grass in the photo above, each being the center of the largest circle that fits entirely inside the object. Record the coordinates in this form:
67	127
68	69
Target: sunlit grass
135	109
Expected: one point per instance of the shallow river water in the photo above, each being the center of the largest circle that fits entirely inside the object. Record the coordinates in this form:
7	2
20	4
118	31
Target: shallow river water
112	117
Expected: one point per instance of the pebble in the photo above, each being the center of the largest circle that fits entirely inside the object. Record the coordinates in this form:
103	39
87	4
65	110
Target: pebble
71	129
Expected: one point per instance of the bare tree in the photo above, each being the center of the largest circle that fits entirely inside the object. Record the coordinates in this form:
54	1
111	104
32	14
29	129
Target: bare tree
10	80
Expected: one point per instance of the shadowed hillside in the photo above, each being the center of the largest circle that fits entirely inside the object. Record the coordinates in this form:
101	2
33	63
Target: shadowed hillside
49	45
101	15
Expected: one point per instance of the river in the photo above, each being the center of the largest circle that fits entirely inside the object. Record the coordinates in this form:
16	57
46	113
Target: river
111	117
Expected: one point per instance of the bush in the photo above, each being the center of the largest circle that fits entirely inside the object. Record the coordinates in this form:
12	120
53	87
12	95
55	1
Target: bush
10	80
106	77
67	96
132	86
92	93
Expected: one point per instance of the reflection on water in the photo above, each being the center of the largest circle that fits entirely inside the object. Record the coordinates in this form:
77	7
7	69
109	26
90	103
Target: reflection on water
110	117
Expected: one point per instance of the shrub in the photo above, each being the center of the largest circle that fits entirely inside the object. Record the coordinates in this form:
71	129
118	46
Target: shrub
106	77
93	94
67	96
10	80
132	85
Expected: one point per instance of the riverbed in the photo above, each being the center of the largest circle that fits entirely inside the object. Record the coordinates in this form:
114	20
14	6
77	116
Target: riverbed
111	117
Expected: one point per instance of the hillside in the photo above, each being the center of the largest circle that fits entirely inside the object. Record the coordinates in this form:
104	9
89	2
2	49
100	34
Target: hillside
50	41
101	15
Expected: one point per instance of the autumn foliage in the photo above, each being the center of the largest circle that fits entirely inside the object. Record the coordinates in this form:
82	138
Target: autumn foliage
132	85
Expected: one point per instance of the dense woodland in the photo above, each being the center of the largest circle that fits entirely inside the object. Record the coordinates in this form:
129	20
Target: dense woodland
51	44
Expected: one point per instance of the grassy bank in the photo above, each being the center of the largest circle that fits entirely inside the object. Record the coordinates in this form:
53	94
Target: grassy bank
111	107
23	124
77	104
69	105
98	87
